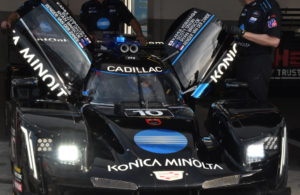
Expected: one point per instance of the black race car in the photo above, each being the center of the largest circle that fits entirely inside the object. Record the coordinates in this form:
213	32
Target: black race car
115	118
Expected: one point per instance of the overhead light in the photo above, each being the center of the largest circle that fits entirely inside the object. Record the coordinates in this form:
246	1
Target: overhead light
68	154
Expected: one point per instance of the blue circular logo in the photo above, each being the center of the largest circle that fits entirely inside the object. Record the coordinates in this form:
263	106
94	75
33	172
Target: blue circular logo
160	141
103	23
46	27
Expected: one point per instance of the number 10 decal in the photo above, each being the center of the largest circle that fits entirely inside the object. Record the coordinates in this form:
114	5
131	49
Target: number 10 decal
145	113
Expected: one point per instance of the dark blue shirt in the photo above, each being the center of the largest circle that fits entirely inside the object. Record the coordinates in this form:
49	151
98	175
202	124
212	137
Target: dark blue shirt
106	16
260	17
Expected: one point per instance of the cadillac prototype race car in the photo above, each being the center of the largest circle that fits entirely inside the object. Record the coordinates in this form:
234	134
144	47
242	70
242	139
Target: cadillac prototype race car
117	118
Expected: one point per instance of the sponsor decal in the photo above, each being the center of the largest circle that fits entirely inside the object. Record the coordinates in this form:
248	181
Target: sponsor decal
17	169
153	122
188	31
256	14
112	10
18	186
103	23
18	176
46	27
223	66
252	20
148	113
93	10
67	21
52	40
40	69
161	141
135	70
168	175
167	163
272	23
155	43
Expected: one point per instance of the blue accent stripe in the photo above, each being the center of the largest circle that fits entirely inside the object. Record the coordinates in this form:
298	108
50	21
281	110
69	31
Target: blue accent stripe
268	4
193	39
200	89
263	8
67	33
106	72
265	5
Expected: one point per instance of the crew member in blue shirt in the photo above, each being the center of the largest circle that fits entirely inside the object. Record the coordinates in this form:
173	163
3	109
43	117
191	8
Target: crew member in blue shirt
259	35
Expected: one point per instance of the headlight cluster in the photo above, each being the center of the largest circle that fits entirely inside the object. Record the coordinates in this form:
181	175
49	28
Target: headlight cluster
256	152
44	145
68	154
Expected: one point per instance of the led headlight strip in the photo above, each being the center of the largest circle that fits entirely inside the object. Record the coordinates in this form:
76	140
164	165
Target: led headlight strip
30	151
283	151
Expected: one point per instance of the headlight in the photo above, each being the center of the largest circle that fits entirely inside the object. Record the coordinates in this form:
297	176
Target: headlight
68	154
255	152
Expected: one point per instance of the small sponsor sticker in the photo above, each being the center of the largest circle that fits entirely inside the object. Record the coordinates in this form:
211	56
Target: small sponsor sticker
168	175
252	20
18	186
272	23
153	122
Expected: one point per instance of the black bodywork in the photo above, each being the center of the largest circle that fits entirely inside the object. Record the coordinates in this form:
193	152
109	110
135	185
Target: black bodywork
112	119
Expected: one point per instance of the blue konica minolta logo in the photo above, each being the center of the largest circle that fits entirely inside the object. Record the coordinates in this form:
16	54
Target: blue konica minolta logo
103	23
160	141
46	27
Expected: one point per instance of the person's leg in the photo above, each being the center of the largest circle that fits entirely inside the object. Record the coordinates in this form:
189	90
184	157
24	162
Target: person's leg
256	71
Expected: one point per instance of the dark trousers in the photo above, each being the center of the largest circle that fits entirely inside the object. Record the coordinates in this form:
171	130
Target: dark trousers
256	71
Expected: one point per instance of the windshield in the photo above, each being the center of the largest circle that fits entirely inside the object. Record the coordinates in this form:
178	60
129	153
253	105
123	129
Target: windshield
107	88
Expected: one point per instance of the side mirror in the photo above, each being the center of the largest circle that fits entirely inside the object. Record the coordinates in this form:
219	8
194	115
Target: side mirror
233	83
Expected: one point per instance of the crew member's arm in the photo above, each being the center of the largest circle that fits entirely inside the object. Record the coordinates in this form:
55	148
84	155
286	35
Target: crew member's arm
12	18
138	31
262	39
128	18
271	32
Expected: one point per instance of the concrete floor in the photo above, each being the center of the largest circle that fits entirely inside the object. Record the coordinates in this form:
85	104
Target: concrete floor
290	108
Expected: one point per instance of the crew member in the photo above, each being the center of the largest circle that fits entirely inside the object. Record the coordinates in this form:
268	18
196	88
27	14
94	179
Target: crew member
24	9
107	15
259	35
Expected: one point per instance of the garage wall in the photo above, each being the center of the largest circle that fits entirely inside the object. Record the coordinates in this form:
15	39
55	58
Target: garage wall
224	9
169	9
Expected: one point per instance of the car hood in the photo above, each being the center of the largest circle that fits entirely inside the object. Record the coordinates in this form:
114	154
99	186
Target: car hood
131	150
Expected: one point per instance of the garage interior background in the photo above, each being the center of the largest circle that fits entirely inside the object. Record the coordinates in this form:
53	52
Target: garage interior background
161	13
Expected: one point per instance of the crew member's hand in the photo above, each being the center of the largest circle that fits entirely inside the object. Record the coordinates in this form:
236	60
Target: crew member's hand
141	39
234	30
5	25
